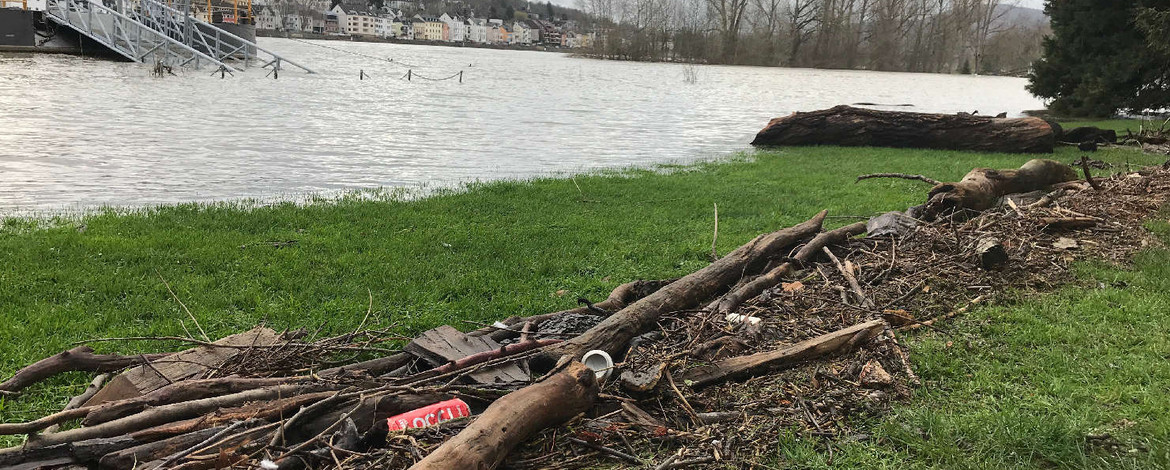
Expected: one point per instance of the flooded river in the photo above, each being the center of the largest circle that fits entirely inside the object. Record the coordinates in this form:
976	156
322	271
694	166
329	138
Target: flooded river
77	133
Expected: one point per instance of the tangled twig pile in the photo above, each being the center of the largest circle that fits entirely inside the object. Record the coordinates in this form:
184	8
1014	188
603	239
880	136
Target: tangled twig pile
795	330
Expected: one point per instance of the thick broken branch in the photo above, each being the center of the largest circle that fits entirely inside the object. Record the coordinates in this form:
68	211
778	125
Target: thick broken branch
615	332
730	302
981	188
514	418
766	361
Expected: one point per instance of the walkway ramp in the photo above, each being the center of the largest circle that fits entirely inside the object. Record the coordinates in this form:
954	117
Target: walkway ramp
152	32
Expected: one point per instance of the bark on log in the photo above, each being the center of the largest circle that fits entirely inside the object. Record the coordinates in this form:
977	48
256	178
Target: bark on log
615	332
730	302
769	360
849	126
981	188
514	418
80	358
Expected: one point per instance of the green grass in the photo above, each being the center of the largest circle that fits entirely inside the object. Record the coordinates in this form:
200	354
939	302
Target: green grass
1023	386
500	249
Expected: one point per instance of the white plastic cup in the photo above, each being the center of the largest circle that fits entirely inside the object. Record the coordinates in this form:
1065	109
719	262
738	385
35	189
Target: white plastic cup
600	362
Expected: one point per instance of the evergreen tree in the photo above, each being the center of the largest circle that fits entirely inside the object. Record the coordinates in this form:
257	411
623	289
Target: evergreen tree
1097	61
510	13
551	13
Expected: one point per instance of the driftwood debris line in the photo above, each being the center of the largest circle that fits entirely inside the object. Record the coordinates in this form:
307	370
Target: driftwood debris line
793	334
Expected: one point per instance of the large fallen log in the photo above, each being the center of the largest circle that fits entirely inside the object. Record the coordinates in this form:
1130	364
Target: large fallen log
615	332
514	418
849	126
982	188
770	360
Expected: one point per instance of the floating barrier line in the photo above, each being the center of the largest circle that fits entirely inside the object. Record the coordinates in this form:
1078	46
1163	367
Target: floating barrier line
359	54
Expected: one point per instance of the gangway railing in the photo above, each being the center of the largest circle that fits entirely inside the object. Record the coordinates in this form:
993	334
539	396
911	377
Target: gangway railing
125	35
149	29
217	42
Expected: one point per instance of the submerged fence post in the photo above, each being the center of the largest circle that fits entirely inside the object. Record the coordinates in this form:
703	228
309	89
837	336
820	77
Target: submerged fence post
460	76
408	71
361	74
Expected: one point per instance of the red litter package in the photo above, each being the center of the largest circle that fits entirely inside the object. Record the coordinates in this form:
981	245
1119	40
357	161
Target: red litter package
429	415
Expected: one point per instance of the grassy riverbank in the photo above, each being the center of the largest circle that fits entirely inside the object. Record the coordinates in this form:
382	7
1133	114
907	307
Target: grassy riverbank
1020	386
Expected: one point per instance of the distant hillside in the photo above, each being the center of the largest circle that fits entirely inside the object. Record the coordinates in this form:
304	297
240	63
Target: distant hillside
1022	16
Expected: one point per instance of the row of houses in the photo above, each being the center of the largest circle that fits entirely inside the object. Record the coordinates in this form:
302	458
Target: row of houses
360	22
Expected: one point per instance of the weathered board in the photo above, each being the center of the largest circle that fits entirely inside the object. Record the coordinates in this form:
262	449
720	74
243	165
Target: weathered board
445	344
147	378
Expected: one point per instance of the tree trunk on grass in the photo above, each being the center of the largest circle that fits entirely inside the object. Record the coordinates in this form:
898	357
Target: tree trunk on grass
849	126
982	187
514	418
615	332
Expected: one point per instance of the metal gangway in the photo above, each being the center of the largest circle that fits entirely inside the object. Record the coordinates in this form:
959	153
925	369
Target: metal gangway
151	31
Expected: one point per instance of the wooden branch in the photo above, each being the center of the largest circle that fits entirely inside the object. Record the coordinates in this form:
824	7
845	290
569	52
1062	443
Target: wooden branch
763	362
614	333
511	420
80	358
904	176
849	126
180	392
621	297
166	414
732	300
932	321
848	274
1089	177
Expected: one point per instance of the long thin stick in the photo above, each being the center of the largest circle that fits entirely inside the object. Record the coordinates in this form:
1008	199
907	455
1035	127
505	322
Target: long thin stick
904	176
185	309
715	237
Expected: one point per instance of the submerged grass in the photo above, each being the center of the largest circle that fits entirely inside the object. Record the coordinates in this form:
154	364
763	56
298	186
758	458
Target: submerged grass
1020	386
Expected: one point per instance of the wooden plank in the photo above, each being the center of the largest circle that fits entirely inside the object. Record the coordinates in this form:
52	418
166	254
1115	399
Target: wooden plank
445	344
184	365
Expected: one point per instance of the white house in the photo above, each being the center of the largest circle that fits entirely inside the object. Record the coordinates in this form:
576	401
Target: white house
266	18
342	19
477	30
457	31
521	33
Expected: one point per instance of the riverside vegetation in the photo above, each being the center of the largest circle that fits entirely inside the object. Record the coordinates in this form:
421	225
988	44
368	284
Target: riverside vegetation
1023	385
